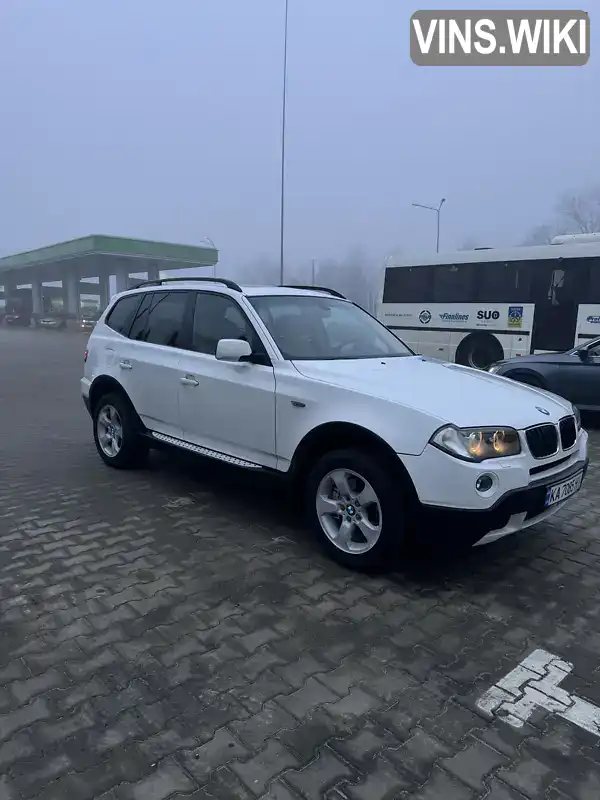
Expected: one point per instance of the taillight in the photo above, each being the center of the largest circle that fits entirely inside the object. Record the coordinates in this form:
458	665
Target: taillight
85	355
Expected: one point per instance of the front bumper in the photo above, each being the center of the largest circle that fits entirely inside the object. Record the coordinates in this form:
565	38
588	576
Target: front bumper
85	394
453	512
516	510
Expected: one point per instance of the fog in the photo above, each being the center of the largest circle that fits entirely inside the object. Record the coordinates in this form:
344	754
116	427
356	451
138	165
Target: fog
163	121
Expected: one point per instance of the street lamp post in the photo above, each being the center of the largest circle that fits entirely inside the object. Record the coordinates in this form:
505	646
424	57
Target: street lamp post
283	112
437	210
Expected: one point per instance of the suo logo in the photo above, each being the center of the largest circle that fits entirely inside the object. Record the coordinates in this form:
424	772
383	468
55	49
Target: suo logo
488	315
425	317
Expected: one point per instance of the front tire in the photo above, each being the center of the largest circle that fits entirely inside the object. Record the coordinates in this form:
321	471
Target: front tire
117	433
358	509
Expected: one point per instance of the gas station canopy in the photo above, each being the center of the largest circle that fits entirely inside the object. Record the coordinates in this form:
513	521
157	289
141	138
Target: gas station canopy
98	256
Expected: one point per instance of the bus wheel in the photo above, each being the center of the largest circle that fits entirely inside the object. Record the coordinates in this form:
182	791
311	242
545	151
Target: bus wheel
479	350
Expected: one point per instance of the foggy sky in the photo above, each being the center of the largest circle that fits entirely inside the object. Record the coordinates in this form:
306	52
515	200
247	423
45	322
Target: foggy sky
161	120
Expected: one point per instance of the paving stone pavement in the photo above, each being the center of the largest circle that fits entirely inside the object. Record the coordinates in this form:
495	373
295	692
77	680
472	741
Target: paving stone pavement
173	633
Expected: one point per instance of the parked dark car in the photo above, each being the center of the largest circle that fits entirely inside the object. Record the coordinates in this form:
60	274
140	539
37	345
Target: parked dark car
574	374
21	319
88	320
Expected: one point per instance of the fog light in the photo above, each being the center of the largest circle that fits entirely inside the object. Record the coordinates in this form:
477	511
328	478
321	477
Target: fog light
484	483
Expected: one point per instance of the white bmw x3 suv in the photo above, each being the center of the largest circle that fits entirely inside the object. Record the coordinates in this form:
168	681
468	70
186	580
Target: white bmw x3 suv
382	444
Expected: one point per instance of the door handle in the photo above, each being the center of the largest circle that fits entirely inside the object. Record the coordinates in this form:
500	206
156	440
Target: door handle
189	380
125	365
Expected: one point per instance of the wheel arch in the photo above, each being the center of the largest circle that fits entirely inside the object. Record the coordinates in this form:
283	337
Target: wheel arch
488	338
526	372
105	384
331	436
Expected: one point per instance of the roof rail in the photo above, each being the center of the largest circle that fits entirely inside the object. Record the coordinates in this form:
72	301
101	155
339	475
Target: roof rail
317	289
191	279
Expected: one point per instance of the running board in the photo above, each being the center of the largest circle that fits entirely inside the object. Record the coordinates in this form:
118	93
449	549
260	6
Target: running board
204	451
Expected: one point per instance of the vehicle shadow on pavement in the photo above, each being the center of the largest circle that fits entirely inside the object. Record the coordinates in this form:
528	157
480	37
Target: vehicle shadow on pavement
265	501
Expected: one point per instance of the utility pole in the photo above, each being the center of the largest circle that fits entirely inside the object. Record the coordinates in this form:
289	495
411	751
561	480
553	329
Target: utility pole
437	210
283	120
314	264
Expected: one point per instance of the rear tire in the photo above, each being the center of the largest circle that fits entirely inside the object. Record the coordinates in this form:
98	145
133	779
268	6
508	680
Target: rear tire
117	433
358	509
479	350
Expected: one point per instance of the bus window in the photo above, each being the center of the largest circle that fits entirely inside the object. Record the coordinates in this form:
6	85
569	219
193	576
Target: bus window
408	285
524	280
453	283
497	282
560	281
592	295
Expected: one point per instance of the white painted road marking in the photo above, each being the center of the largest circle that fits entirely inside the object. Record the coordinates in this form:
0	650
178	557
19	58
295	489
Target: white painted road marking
535	684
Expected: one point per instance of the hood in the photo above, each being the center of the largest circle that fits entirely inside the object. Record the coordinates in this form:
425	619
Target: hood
458	395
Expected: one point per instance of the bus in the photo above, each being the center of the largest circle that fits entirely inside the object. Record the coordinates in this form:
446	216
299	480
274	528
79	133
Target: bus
481	306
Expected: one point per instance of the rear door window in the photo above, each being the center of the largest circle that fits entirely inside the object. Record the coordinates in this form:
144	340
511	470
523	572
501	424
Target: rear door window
160	319
123	313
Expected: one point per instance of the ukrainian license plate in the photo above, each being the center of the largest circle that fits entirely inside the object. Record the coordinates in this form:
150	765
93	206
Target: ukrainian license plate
561	491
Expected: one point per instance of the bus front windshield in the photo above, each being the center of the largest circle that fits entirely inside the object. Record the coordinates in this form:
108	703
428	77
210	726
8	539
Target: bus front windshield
306	327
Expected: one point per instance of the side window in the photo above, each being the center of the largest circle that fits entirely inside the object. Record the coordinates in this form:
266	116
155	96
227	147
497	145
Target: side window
454	283
560	282
218	317
408	285
593	294
159	319
524	280
121	316
497	282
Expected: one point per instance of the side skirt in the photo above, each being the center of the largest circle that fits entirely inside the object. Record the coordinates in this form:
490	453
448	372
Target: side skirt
162	438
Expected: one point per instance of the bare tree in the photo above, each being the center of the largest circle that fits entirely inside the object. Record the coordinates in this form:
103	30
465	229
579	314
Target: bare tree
469	244
355	276
262	270
541	234
393	254
575	213
581	213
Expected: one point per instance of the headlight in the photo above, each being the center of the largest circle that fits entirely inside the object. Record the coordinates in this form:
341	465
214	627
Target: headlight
477	444
577	415
494	368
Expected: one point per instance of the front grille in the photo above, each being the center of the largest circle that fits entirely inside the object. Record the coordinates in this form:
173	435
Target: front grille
568	432
542	440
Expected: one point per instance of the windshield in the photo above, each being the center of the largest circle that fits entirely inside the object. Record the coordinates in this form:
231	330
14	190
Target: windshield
312	328
589	345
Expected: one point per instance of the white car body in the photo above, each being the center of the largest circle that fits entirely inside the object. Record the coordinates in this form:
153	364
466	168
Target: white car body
258	416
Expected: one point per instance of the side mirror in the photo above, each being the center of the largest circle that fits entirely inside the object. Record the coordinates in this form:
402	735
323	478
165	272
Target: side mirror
584	354
232	350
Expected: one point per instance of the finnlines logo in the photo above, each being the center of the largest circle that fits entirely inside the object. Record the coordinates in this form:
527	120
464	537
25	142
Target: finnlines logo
454	317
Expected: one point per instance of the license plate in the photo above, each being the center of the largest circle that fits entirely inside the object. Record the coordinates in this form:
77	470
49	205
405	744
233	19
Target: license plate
561	491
